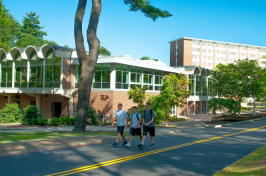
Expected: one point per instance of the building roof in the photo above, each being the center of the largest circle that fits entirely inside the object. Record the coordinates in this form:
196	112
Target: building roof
197	39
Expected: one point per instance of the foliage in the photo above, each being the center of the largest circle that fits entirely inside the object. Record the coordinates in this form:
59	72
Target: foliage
9	28
31	114
55	121
173	93
225	106
10	113
243	78
92	116
138	96
148	10
104	51
67	120
29	39
145	58
155	60
42	121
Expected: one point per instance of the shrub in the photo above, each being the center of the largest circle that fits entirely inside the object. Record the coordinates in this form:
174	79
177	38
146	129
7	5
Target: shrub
92	116
72	121
65	120
11	113
55	121
31	114
42	121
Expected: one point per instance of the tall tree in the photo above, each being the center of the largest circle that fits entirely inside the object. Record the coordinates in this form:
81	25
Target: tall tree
145	58
88	62
9	28
31	25
243	78
104	51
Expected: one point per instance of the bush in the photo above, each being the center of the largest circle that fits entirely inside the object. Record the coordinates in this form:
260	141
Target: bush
42	121
55	121
65	120
11	113
72	121
31	114
92	116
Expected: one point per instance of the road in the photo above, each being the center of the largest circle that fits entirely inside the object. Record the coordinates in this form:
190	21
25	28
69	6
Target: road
196	151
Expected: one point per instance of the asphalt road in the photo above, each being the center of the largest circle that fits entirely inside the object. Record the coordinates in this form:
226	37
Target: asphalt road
195	151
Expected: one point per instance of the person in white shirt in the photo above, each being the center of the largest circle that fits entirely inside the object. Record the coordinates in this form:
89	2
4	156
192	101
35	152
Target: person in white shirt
121	116
135	121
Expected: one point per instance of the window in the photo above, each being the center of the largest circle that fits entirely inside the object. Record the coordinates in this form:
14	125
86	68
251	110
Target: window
20	71
6	72
198	85
158	80
36	71
148	78
135	77
192	84
101	78
52	70
122	77
173	111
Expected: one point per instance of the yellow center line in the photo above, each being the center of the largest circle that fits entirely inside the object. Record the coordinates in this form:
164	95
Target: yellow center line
119	160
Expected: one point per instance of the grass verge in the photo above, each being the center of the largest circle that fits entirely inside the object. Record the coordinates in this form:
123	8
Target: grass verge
31	136
253	164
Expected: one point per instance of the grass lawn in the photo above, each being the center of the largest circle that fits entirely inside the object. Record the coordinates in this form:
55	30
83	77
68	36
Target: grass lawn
29	136
253	164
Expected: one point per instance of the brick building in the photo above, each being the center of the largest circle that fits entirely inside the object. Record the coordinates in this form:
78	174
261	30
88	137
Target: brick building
28	76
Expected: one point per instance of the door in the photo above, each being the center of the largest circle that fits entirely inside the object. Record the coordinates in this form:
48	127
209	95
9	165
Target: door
57	108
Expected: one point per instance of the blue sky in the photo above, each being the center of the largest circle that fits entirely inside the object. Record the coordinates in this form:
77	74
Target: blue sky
124	32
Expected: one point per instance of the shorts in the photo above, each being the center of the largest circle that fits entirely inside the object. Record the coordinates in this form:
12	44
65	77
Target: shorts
120	129
150	130
99	117
134	131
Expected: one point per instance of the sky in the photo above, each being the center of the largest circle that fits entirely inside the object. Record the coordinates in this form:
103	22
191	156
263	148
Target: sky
131	33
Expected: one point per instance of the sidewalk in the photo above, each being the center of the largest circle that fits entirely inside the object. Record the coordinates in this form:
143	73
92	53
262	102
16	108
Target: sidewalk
50	144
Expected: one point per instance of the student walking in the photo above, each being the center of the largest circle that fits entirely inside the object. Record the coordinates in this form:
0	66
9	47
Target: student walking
149	125
135	121
100	117
121	116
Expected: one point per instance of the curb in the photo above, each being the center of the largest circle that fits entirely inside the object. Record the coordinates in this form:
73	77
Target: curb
229	124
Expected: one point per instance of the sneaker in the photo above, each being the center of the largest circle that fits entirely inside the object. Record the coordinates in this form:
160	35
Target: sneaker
152	146
124	142
128	145
114	144
140	146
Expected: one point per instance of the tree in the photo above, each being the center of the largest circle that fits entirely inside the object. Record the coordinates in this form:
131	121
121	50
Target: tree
243	78
173	93
9	28
29	39
31	25
104	51
145	58
138	96
88	62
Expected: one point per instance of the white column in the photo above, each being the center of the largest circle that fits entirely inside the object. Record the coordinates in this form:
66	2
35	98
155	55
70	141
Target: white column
13	74
71	105
112	77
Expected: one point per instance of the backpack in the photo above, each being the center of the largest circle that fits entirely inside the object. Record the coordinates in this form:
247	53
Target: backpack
150	113
137	115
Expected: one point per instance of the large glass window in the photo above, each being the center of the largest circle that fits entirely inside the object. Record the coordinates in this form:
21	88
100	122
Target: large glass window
20	71
158	80
198	85
52	69
209	86
192	84
101	78
6	72
122	77
148	78
135	76
36	71
204	86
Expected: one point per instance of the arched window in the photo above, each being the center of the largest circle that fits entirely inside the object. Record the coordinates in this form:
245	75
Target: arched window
36	70
52	69
6	72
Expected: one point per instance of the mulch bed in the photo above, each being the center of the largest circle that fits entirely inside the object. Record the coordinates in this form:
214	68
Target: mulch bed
231	119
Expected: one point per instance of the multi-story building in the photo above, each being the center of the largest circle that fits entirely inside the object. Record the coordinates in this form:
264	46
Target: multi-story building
32	75
208	53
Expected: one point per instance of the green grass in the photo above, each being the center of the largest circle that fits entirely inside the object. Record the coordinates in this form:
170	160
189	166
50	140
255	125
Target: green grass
253	164
30	136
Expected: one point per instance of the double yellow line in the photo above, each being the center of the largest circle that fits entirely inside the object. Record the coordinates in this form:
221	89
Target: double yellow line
111	162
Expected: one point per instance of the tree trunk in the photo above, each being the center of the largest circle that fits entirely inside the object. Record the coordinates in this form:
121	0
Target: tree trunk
87	62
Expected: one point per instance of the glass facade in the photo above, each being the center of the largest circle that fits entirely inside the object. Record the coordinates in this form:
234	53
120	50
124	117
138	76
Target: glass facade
135	76
122	76
36	71
20	71
192	84
101	78
198	85
6	72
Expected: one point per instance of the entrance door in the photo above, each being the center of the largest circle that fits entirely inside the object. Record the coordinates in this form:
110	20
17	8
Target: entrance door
202	107
57	108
